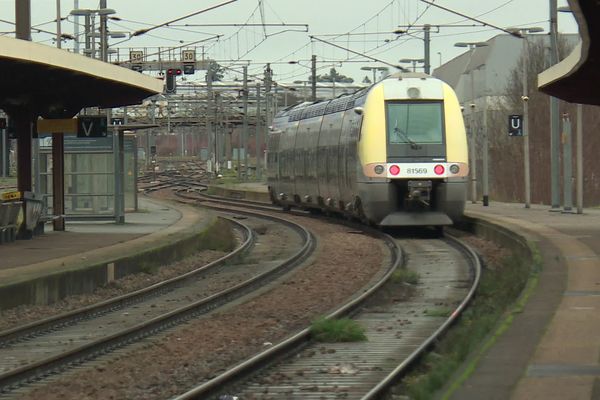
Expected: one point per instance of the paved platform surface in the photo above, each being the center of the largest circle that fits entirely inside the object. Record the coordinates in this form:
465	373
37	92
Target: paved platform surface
94	240
552	348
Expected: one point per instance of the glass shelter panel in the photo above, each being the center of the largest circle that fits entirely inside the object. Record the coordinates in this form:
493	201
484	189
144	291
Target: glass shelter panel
90	176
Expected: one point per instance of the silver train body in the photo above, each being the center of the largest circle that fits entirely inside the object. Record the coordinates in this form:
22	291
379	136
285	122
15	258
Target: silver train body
394	154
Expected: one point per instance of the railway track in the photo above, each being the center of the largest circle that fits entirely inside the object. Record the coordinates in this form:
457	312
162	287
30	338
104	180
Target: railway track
397	332
71	339
333	370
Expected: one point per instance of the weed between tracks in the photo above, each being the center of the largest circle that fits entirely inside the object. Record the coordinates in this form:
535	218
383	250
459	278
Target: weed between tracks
403	275
337	330
501	283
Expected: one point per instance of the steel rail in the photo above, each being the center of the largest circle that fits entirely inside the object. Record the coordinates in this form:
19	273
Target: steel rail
238	372
36	328
402	368
41	369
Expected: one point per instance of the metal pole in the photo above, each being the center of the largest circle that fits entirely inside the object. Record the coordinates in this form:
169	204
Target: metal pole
473	140
35	161
427	39
579	176
245	122
22	118
135	178
76	28
23	19
267	118
526	124
554	117
150	134
209	95
4	154
258	135
88	37
314	77
486	189
116	170
168	118
216	133
58	27
275	101
121	154
103	34
567	164
93	35
58	184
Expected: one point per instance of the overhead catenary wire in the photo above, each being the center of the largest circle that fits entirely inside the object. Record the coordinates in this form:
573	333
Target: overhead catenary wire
513	33
360	54
143	31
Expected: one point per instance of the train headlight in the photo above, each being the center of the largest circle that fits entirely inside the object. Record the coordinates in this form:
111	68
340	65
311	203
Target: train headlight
454	168
413	93
379	169
439	169
394	170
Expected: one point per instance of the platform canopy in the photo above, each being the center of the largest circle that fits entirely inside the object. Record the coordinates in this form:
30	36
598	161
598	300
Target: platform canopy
574	78
54	83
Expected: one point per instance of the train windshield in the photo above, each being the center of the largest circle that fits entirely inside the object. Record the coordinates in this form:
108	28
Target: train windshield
414	123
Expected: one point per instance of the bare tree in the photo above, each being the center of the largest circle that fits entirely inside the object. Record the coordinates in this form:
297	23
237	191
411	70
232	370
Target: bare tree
506	153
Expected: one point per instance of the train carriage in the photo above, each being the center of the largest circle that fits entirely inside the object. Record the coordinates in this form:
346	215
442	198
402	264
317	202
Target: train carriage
394	154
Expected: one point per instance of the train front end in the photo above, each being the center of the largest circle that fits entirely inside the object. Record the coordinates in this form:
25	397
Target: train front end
413	153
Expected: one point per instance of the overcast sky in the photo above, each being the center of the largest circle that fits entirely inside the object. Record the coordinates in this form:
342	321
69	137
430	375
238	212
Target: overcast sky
361	26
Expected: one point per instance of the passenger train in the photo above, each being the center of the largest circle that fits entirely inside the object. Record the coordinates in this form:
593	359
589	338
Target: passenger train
392	154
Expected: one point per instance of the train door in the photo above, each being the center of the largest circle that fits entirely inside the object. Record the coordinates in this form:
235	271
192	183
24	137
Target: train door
273	150
300	161
347	160
323	162
333	157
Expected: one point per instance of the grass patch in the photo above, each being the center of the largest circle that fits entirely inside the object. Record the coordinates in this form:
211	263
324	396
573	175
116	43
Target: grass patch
498	290
403	275
337	330
439	312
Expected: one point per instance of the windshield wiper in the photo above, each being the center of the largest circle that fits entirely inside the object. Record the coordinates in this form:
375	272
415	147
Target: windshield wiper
413	144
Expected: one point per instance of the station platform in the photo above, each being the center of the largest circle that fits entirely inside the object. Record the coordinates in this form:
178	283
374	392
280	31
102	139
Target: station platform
552	348
86	254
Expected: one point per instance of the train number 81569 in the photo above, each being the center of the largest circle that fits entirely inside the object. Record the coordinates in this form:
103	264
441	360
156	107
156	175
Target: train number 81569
416	171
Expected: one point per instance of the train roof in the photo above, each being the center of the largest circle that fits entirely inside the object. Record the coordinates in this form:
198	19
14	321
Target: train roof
343	102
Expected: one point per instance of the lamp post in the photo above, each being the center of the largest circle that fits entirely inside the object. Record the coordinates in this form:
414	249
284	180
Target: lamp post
413	61
579	144
525	97
426	44
374	69
473	164
90	35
